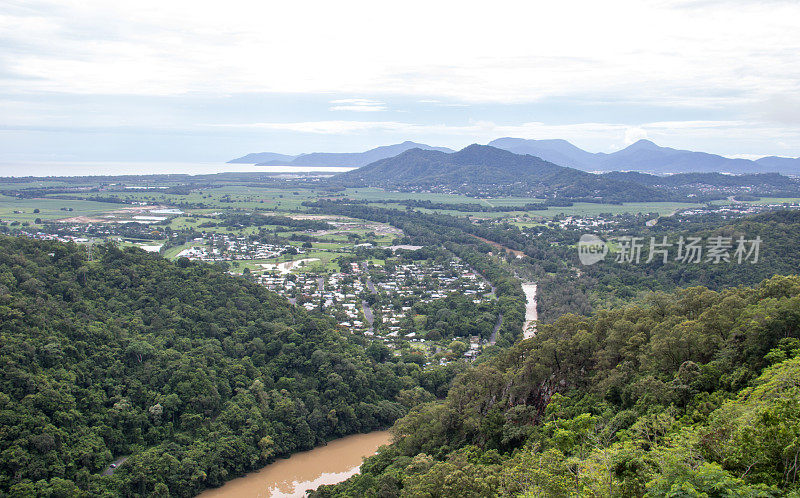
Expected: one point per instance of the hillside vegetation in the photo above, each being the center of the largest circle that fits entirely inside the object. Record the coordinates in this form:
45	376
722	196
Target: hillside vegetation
482	170
695	393
197	375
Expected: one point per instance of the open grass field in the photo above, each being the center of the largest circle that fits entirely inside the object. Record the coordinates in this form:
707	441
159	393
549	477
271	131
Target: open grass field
591	209
578	209
49	209
228	197
172	252
330	246
38	183
325	262
765	201
287	201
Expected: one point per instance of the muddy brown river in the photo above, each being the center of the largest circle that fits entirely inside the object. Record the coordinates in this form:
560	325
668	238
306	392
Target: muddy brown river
329	464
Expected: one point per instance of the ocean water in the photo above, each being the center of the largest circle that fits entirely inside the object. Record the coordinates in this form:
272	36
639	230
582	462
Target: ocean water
110	168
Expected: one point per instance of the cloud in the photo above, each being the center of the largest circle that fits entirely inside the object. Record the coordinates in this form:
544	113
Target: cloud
151	47
634	134
325	127
783	109
357	105
615	72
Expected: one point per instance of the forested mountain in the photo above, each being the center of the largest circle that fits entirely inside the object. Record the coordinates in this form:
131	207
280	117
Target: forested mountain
786	165
693	393
198	375
481	169
556	151
331	159
645	156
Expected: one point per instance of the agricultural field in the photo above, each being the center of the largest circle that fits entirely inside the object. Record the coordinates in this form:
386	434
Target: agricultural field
591	209
25	210
229	197
764	201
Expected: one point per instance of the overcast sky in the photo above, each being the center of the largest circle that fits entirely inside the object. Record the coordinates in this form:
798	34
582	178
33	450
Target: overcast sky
174	80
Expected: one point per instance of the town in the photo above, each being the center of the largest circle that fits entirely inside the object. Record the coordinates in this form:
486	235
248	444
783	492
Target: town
383	301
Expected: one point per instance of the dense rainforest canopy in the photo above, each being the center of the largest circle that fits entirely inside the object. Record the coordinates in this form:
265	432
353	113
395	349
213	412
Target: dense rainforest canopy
694	393
198	375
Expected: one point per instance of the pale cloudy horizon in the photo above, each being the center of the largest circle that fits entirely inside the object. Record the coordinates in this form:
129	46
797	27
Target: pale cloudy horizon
94	80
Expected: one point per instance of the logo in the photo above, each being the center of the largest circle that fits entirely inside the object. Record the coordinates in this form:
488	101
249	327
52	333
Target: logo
591	249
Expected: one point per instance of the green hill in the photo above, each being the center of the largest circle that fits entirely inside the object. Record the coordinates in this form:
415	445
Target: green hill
485	170
694	393
198	375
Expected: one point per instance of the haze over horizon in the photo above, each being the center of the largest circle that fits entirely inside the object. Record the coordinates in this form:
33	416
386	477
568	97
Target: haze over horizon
182	81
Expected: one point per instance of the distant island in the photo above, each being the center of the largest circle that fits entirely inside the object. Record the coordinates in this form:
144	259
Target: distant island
333	159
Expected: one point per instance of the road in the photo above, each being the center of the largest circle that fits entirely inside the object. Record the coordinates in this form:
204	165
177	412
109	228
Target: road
370	286
368	313
110	470
493	337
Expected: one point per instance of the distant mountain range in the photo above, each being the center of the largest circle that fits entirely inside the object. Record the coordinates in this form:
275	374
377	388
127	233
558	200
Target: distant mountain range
486	171
482	169
334	159
645	156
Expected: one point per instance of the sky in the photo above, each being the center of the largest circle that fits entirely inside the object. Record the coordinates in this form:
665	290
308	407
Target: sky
111	80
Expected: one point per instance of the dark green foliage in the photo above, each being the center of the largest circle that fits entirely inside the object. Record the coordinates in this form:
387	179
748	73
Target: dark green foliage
673	396
483	170
199	376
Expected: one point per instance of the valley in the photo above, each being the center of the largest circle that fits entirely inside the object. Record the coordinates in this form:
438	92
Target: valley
400	250
385	302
